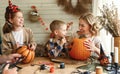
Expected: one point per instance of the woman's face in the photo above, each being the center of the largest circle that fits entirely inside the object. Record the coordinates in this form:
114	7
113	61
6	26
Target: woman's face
84	27
18	20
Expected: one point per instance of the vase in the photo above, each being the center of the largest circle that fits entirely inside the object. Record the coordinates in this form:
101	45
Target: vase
117	44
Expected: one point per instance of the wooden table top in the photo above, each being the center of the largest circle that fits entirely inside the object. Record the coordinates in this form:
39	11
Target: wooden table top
70	66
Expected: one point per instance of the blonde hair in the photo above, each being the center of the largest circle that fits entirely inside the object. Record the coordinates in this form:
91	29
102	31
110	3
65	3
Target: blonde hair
90	19
56	24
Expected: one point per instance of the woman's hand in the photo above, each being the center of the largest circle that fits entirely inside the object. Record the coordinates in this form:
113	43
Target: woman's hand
6	70
90	45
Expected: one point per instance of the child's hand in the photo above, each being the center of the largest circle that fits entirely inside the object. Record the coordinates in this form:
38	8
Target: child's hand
31	46
63	41
9	71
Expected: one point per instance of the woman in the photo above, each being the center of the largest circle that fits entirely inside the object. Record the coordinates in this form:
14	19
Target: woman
89	28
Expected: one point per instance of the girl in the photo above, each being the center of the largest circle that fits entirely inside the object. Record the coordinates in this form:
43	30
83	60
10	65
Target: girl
14	32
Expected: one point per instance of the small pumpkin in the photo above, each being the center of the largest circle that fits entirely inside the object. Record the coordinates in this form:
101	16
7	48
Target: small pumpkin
26	53
78	50
104	61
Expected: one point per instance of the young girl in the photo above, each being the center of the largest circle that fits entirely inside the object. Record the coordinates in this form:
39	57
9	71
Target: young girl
56	43
89	28
14	32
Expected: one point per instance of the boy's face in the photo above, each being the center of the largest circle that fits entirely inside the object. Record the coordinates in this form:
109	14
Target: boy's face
62	31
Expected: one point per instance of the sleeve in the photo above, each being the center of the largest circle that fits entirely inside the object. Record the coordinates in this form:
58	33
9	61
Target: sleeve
53	49
30	37
6	45
97	42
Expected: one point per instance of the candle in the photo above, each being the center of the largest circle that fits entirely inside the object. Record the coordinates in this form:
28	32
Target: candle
116	54
99	70
112	44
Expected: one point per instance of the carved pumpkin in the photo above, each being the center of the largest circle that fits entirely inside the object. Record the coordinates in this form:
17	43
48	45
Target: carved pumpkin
27	54
78	50
104	61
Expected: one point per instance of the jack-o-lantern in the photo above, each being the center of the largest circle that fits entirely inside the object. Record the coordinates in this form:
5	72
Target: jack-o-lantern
78	50
26	53
104	61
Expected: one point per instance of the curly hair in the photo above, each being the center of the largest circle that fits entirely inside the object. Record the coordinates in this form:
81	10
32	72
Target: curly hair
90	19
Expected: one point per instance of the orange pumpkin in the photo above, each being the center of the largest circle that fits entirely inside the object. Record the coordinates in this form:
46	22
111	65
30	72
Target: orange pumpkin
78	50
27	54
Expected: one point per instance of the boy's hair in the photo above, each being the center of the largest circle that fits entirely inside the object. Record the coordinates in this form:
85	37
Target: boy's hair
56	24
90	19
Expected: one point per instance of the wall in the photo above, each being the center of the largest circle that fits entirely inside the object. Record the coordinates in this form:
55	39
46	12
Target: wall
48	10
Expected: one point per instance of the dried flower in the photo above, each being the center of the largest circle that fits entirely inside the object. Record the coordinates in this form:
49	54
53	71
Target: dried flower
109	20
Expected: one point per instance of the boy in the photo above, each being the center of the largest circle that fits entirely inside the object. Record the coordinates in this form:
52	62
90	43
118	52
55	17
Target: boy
56	43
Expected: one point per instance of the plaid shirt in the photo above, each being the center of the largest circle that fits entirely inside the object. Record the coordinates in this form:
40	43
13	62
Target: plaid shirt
54	48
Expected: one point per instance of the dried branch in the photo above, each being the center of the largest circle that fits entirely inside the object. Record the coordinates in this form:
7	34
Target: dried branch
109	20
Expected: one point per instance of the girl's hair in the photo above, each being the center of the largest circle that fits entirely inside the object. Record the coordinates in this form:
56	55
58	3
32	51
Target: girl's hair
9	14
90	19
56	24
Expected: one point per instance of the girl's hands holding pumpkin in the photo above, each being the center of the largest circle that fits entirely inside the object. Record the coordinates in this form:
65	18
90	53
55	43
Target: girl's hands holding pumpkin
6	70
31	46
